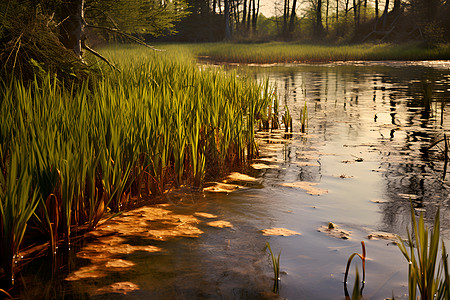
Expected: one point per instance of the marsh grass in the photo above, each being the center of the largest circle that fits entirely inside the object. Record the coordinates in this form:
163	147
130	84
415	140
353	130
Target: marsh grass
70	155
287	119
276	269
282	52
426	272
304	118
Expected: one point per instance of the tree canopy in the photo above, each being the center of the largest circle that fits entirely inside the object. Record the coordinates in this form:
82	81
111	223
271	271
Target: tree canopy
33	32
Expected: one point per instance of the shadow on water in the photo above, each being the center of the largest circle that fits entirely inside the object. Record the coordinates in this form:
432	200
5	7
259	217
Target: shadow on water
365	153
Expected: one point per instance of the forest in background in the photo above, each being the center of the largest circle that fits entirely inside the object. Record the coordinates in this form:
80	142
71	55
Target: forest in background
91	22
332	21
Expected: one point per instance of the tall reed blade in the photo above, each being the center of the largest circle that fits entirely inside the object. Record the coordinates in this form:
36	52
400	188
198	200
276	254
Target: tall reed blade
276	269
18	202
357	291
426	273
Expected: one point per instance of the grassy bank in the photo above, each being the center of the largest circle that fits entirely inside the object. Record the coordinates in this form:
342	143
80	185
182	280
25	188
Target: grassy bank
69	155
279	52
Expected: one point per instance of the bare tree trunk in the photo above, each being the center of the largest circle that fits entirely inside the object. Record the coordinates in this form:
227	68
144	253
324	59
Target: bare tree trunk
235	12
292	19
326	15
227	20
385	13
319	26
72	28
365	11
358	20
285	18
249	15
337	17
255	16
244	12
376	10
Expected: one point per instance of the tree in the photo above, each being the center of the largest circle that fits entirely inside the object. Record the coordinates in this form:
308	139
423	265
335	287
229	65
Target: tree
227	20
38	22
318	26
292	19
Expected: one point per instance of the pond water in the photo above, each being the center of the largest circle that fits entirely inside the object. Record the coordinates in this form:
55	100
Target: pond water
364	154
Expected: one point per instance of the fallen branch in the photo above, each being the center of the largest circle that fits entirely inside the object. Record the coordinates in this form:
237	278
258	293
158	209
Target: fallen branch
100	56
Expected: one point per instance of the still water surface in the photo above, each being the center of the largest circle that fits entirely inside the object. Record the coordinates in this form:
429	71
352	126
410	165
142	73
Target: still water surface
366	148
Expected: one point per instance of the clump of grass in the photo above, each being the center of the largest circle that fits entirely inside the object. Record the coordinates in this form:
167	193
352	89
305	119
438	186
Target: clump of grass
276	269
282	52
426	272
70	155
287	119
17	205
304	118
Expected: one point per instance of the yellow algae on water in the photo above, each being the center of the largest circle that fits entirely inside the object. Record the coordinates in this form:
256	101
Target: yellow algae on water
236	176
260	166
205	215
118	288
279	231
220	224
309	187
220	187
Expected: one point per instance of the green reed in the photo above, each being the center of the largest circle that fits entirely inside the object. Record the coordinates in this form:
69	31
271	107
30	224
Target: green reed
276	269
79	152
18	202
359	284
287	119
304	118
426	272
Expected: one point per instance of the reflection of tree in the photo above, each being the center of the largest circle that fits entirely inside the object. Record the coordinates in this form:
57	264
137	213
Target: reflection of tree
407	165
409	170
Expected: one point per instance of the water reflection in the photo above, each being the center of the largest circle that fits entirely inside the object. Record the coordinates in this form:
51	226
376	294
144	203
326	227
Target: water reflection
406	105
365	153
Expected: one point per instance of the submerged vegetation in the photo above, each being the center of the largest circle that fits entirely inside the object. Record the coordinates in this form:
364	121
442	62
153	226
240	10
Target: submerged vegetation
70	155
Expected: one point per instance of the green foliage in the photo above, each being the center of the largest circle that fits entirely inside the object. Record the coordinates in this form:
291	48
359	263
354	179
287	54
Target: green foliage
287	119
304	118
137	16
68	156
267	27
18	202
426	272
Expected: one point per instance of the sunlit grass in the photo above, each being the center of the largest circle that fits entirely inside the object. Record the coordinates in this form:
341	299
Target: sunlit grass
426	272
280	52
67	156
